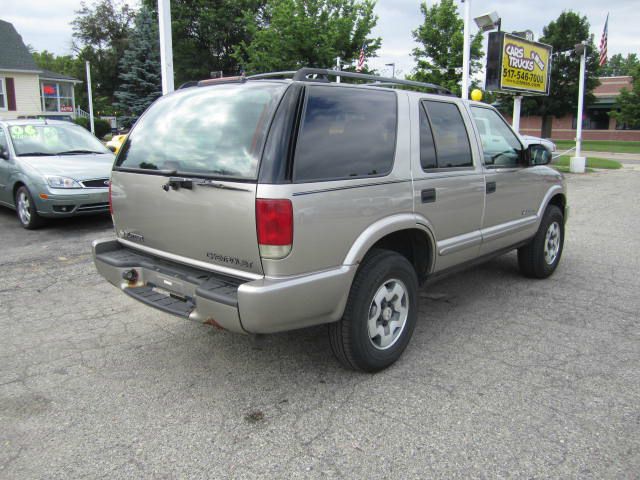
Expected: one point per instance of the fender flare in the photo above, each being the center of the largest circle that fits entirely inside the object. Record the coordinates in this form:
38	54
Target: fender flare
383	227
547	198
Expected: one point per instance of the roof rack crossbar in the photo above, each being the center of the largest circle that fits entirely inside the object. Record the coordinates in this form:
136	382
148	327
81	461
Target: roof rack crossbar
304	73
286	73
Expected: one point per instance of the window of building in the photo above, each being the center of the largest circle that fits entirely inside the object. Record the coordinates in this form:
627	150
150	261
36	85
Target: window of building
56	96
593	120
3	94
346	133
452	148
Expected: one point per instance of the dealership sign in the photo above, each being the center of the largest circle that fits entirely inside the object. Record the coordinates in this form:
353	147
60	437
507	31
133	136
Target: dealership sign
517	65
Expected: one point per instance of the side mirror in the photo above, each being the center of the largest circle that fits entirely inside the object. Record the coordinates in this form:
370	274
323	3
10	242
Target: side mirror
4	154
538	155
112	148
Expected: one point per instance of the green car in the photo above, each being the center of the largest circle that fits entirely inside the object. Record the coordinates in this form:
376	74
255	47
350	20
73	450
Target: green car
52	169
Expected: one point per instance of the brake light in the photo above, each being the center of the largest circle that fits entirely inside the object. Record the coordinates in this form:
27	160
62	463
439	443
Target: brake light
274	222
110	202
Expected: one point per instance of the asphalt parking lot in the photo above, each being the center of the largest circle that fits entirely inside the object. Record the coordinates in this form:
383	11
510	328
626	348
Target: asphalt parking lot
504	377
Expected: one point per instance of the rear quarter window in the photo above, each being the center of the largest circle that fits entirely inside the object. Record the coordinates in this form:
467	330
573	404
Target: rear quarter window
345	133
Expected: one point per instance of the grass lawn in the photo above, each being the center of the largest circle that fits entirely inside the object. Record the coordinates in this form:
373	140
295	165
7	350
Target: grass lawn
592	162
601	146
565	168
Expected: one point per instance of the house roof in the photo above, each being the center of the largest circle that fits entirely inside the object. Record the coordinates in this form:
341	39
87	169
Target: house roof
49	75
14	55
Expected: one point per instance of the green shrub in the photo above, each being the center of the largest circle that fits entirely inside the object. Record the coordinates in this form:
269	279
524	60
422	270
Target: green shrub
102	127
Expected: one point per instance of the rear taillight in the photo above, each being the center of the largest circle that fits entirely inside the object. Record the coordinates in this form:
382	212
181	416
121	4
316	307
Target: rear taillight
274	221
110	202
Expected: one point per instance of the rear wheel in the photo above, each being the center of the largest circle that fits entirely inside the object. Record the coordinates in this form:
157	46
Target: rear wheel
540	257
381	313
26	209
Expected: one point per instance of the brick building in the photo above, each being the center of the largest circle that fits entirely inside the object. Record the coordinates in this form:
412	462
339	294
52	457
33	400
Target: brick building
596	123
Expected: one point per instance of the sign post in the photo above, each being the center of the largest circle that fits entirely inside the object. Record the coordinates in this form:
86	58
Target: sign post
517	103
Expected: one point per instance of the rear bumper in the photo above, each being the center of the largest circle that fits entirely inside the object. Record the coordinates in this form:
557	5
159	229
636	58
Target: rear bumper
267	305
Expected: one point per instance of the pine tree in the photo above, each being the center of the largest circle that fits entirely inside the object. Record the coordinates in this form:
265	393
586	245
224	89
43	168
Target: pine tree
140	66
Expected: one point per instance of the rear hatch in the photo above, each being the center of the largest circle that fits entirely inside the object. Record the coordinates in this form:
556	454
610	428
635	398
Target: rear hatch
184	183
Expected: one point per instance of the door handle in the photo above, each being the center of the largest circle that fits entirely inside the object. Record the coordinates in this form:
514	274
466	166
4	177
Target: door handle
428	195
491	187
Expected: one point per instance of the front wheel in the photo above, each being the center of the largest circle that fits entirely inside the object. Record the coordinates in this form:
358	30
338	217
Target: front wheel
381	313
540	257
26	209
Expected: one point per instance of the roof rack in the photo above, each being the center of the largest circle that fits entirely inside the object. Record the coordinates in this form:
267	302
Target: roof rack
304	73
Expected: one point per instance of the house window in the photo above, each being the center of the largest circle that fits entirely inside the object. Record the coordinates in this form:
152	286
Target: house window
3	94
56	97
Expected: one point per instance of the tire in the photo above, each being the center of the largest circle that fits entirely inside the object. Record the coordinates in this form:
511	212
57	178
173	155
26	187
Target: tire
384	299
540	257
26	209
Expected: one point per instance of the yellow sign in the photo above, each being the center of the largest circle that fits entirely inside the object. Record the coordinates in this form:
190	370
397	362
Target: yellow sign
525	65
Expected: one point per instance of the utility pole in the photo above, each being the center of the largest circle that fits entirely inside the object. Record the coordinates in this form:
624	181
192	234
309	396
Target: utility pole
166	46
577	164
466	50
338	68
93	130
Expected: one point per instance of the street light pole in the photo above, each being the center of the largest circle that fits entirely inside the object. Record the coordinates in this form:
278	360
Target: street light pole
166	45
393	69
466	47
578	163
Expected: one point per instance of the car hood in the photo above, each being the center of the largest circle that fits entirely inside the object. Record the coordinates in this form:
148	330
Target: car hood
78	167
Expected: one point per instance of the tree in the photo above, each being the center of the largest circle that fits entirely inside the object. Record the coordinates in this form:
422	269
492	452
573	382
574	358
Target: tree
628	103
101	35
618	65
439	58
204	34
289	34
563	34
140	69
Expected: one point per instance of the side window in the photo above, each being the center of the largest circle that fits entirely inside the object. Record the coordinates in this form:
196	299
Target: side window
3	141
345	133
500	146
450	135
427	146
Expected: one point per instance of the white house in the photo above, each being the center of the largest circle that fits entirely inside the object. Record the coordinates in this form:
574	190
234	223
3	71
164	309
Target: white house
25	89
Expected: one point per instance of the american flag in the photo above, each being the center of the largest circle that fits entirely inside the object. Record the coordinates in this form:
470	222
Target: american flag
360	65
603	42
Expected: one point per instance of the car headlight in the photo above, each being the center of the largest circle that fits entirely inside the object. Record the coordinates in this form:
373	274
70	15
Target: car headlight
62	182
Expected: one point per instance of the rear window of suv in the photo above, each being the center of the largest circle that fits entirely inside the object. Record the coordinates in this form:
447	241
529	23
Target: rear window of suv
345	133
214	131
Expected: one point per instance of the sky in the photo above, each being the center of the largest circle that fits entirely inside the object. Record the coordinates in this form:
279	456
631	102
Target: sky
46	24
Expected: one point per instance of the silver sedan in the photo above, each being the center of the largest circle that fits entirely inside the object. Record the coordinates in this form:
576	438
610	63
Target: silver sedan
52	169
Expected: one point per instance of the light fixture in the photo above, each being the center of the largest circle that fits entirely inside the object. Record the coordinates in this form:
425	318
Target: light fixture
488	21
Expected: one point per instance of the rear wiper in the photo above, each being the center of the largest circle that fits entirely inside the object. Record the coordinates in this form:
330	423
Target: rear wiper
150	171
76	152
36	154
